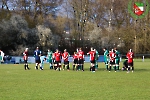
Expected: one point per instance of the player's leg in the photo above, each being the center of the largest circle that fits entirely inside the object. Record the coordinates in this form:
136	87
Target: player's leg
128	69
59	66
64	65
36	64
93	66
82	65
41	64
106	64
132	67
114	65
50	64
110	66
55	65
73	67
27	66
117	64
68	65
96	64
78	65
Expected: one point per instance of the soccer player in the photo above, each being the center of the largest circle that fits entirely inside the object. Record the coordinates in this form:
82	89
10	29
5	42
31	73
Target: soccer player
57	60
42	58
25	57
81	59
65	57
2	56
92	54
112	57
106	57
75	60
37	54
50	58
96	58
130	56
0	59
117	59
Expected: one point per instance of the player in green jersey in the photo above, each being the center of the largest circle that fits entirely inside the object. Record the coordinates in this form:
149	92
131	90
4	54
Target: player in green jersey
117	59
106	57
96	59
50	58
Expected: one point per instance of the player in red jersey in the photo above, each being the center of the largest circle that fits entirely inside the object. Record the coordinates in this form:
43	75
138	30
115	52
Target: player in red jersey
112	57
65	57
57	60
75	60
92	54
130	56
25	57
81	59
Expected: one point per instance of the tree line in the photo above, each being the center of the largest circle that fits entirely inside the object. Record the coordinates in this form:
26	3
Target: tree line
70	24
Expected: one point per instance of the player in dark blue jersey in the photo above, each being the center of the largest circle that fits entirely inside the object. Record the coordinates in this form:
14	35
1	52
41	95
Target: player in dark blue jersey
37	54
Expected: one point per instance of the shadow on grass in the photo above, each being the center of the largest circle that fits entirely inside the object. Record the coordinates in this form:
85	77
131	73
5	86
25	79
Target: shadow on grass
103	69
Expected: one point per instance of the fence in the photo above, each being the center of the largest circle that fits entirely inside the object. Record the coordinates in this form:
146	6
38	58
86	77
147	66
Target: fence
31	59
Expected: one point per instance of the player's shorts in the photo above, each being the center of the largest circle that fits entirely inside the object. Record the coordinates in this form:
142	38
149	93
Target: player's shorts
80	61
112	62
75	61
66	62
38	61
130	63
57	62
50	60
25	61
92	61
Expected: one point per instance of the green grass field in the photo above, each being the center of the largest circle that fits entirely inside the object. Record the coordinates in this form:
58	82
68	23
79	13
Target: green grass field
19	84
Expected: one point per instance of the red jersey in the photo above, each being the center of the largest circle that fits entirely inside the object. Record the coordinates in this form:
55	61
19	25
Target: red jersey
81	55
25	55
92	55
130	56
65	56
57	56
112	56
75	56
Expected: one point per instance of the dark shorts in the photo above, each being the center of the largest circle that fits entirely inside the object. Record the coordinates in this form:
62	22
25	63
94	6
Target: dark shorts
66	62
130	64
38	61
92	61
57	62
112	62
80	61
75	61
25	61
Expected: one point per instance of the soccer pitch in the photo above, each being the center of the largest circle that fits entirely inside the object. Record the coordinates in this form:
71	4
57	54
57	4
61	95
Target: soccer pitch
19	84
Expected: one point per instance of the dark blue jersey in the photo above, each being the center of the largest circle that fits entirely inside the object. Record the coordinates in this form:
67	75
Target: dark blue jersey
37	54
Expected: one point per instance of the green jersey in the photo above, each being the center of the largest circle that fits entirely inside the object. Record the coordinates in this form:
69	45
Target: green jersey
50	54
97	55
106	54
117	55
